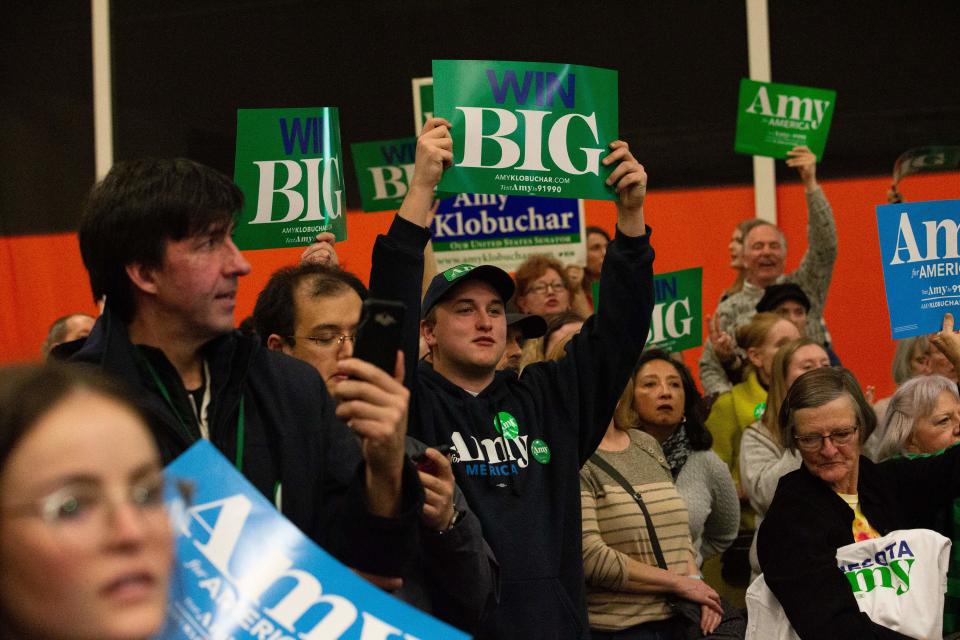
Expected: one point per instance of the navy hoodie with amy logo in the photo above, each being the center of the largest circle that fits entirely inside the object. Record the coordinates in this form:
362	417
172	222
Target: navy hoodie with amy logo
520	442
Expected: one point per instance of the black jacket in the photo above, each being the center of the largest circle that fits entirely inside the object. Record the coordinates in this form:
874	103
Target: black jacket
807	522
525	489
290	437
436	581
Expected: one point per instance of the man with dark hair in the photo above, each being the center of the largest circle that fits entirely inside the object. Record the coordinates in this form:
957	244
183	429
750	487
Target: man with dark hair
520	441
311	312
155	237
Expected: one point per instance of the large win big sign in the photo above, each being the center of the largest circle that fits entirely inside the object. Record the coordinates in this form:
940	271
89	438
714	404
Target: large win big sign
289	169
522	128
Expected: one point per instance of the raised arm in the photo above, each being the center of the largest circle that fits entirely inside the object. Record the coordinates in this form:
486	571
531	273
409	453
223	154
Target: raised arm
713	376
398	260
629	180
816	267
600	358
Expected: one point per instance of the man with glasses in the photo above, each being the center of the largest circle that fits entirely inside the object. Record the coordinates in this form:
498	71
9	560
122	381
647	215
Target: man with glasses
156	240
311	312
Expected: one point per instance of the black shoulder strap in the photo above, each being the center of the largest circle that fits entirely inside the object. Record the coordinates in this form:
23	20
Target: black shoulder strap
651	531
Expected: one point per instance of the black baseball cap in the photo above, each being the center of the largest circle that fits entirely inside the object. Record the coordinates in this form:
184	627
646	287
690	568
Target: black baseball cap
530	325
444	281
777	294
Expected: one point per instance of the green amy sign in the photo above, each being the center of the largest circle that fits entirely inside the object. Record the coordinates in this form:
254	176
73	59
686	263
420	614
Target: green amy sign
384	170
523	128
773	118
288	165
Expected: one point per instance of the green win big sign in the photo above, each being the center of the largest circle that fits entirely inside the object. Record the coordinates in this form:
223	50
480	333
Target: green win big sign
384	170
525	128
675	324
288	165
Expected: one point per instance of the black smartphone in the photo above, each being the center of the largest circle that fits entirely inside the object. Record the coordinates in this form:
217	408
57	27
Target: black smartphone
378	335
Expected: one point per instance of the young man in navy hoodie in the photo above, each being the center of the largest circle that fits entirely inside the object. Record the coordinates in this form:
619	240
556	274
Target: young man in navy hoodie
520	442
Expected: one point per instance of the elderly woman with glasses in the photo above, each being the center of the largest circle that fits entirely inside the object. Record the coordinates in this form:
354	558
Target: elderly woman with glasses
85	543
838	497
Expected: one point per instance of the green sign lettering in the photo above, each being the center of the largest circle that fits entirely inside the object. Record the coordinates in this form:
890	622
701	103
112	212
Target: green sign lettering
523	128
773	118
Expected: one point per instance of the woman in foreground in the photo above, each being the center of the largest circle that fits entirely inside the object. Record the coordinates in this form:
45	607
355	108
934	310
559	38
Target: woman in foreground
85	543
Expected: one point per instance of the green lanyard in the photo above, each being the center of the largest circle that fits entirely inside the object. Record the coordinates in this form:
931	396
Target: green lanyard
241	423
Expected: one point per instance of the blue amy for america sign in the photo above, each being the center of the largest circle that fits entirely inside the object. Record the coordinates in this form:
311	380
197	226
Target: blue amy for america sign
921	264
243	571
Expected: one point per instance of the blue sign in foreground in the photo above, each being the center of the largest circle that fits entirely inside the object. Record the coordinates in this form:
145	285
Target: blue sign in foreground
244	571
921	265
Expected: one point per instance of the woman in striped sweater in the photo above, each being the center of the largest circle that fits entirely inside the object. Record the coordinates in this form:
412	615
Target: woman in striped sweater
626	589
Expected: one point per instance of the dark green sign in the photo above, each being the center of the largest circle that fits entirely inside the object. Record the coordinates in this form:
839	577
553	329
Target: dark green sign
525	128
677	310
289	167
384	170
773	118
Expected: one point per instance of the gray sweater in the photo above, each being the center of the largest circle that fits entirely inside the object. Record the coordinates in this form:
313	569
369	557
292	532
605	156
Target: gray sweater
707	488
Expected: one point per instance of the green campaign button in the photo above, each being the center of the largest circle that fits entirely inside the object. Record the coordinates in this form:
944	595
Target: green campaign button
759	409
506	425
540	451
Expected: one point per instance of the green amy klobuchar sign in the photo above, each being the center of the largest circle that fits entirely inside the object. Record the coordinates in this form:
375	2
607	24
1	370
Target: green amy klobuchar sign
289	167
773	118
525	128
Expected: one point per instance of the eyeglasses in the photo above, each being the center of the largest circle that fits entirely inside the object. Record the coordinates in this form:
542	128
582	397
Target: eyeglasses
542	287
81	513
814	442
328	340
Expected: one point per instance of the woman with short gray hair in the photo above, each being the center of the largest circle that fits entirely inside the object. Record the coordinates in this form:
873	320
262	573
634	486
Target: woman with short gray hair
923	417
911	359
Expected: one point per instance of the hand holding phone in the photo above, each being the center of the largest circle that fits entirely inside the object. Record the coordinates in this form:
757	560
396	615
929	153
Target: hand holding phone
379	333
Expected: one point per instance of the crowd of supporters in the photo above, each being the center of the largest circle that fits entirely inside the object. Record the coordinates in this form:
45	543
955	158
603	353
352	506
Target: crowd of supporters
573	482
